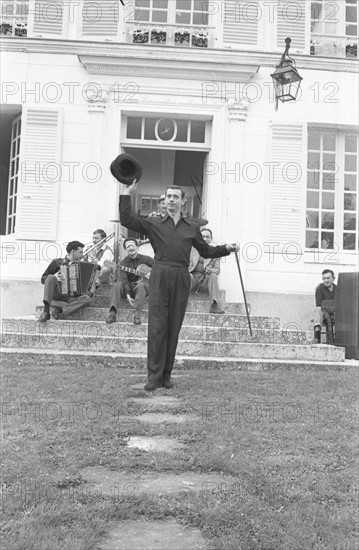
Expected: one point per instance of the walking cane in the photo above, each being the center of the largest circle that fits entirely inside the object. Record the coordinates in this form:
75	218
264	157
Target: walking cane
244	295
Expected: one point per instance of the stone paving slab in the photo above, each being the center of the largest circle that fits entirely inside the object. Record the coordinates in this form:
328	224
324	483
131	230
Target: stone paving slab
105	482
160	535
162	418
156	401
156	444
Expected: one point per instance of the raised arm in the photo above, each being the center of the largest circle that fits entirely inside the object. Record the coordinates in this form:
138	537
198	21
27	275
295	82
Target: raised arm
208	251
126	216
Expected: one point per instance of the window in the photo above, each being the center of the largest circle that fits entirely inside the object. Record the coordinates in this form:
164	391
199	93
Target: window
332	191
13	176
167	130
14	17
171	22
334	28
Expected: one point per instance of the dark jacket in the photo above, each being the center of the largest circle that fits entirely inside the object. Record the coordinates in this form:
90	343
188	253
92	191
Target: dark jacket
54	267
323	293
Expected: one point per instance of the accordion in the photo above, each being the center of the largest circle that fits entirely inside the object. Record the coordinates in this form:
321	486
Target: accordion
77	278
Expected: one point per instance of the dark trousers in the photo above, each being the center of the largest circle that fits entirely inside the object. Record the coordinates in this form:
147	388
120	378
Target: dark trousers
139	292
54	296
169	291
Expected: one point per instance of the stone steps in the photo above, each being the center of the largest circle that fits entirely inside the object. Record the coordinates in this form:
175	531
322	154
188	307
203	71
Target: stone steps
193	304
182	362
208	330
238	320
138	345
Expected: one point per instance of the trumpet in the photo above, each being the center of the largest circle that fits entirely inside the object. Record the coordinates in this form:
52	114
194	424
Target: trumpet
93	249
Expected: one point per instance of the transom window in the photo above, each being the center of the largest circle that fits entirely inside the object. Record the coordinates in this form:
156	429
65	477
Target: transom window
332	191
167	130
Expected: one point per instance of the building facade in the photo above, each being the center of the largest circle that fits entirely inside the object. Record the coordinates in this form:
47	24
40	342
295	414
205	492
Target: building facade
184	86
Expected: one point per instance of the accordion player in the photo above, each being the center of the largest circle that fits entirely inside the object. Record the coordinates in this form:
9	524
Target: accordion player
77	278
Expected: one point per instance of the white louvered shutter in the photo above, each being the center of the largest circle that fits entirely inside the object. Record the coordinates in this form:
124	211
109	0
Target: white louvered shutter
293	21
240	20
46	19
288	188
100	20
39	174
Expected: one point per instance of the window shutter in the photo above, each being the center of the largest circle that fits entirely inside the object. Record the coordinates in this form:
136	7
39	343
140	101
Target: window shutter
39	174
287	189
293	21
240	23
47	19
101	19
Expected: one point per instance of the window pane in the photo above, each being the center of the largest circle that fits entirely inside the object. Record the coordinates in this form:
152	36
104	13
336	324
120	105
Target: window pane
328	181
350	182
134	127
314	160
328	142
350	222
349	241
328	161
349	201
311	239
312	199
350	163
201	5
200	18
313	219
328	201
142	3
351	30
198	129
159	16
327	220
150	128
351	144
181	130
313	180
142	15
351	14
183	4
162	4
327	239
183	18
314	142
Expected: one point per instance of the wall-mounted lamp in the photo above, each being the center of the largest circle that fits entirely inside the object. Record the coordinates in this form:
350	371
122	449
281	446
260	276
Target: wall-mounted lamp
286	78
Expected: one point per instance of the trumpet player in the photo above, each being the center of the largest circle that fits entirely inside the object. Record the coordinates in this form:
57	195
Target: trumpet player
97	254
206	274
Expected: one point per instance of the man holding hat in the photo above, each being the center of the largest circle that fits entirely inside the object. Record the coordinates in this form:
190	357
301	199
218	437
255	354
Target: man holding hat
130	285
172	238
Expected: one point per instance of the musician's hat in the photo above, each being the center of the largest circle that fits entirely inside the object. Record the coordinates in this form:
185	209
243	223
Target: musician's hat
130	239
126	168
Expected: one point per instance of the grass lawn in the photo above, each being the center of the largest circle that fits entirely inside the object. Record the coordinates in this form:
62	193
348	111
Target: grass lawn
288	439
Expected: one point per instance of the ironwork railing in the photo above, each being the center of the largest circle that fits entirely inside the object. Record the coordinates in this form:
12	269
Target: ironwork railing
170	35
13	29
334	46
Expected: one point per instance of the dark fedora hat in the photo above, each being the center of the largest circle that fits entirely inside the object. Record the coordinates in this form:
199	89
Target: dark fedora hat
126	168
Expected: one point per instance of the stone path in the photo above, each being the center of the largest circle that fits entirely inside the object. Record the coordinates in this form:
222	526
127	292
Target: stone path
153	535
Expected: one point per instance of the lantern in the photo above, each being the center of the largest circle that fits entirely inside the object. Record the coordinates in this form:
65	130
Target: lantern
286	78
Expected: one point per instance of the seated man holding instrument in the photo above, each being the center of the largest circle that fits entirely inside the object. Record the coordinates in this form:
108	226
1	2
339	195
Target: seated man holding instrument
133	281
52	279
325	305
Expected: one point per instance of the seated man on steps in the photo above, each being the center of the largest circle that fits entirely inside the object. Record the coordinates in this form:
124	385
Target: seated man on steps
98	256
130	286
52	280
324	291
206	274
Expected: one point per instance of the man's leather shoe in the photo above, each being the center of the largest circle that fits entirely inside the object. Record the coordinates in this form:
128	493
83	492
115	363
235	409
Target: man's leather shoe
137	318
111	318
44	317
56	313
151	386
167	384
216	309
